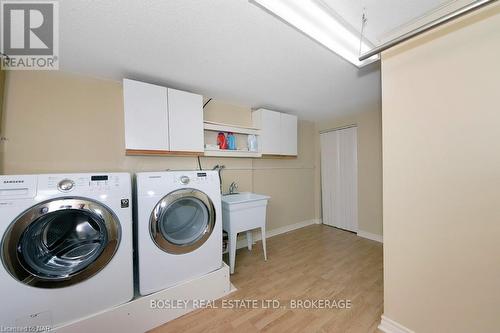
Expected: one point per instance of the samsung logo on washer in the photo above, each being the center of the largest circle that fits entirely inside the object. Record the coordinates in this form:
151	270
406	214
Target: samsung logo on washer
13	181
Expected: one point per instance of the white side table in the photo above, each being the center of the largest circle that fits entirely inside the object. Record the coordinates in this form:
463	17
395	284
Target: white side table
244	212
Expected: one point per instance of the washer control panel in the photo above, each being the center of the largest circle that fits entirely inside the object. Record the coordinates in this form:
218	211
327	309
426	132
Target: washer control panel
17	187
184	180
66	185
92	183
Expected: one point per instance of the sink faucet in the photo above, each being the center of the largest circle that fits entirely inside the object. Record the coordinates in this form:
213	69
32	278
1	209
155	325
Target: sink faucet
233	188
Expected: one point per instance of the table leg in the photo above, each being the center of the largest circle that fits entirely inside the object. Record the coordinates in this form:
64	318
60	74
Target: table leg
232	250
263	234
249	239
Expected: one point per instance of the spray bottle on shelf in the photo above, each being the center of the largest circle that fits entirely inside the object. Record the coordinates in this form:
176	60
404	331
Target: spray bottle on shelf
221	141
231	141
252	143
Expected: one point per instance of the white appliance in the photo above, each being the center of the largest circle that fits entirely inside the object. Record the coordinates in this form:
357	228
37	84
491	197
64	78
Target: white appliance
179	227
66	247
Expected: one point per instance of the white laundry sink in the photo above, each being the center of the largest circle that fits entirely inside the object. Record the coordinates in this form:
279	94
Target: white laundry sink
244	197
243	212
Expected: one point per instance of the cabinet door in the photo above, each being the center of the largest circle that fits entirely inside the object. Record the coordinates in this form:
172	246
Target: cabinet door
270	124
185	113
288	134
146	119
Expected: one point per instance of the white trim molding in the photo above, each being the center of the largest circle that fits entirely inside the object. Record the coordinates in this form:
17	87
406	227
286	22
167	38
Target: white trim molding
271	233
390	326
369	235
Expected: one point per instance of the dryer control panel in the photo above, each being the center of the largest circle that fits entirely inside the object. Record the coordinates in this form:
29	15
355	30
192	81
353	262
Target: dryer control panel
197	177
152	184
193	177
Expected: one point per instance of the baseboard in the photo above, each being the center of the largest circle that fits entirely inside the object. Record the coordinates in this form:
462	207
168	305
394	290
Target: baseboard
274	232
390	326
369	235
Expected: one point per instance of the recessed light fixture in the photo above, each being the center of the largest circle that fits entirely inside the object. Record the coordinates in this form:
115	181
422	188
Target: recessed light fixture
318	21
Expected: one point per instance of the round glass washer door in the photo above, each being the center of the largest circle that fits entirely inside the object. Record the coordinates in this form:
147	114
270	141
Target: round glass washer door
182	221
60	242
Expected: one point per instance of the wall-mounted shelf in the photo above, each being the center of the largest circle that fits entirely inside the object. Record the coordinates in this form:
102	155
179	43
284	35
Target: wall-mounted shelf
220	127
137	152
279	157
232	153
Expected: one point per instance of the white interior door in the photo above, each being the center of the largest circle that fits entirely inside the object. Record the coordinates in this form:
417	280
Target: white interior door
339	178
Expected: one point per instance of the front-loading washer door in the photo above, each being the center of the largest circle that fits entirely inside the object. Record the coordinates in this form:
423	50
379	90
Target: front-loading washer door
60	242
182	221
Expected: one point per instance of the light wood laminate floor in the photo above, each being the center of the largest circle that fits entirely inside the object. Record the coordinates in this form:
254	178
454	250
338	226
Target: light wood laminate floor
313	263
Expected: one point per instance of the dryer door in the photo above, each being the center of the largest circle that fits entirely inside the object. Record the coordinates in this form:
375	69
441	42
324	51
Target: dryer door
60	242
182	221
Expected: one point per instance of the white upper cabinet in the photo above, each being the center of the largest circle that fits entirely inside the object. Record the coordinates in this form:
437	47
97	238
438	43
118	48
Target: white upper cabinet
185	113
288	134
269	123
164	119
278	132
146	116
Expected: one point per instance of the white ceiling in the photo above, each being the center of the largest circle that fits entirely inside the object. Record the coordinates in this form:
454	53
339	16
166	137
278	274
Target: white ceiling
385	17
226	49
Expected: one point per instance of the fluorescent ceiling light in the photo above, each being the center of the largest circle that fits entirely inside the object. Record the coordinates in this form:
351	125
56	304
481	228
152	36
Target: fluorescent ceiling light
319	22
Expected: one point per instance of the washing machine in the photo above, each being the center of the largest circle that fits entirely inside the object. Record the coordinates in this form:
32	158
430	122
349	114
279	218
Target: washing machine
179	227
66	247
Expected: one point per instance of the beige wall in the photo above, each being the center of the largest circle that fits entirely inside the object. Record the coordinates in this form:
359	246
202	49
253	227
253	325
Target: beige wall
369	124
441	148
226	113
59	122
